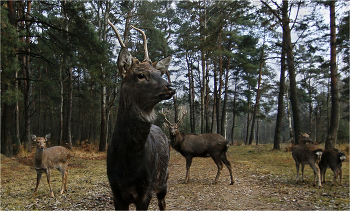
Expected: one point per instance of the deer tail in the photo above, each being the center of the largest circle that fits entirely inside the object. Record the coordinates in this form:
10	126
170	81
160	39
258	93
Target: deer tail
341	156
318	152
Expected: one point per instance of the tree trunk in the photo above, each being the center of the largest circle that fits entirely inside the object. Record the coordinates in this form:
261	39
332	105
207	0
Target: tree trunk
234	113
70	106
61	102
291	136
256	106
277	138
333	127
27	84
291	69
224	106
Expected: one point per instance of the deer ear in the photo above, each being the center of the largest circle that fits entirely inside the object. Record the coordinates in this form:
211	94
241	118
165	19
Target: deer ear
309	133
125	61
33	137
47	137
163	64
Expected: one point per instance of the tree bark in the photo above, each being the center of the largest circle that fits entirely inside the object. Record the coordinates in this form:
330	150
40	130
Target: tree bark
224	106
27	85
277	138
234	113
291	69
256	106
333	126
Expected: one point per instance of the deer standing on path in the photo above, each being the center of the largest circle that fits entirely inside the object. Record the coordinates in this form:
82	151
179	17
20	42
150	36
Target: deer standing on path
307	154
199	145
138	153
56	157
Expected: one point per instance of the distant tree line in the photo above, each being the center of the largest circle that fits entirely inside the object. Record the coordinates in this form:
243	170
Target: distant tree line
254	73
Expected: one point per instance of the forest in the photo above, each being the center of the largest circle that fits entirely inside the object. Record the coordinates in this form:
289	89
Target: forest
255	72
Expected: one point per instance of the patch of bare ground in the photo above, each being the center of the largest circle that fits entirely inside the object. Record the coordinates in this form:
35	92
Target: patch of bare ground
265	180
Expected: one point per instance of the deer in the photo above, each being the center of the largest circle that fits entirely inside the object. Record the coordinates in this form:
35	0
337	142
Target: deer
307	154
138	152
46	159
198	145
305	138
332	158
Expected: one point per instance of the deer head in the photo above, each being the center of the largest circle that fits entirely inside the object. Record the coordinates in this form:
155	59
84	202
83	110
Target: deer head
174	127
142	84
41	141
305	138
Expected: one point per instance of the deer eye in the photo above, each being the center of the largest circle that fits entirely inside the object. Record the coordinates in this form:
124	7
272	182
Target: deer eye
141	76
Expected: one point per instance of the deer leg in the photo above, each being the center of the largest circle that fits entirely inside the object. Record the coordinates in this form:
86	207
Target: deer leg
302	172
188	166
119	205
317	172
323	174
297	164
63	174
336	173
38	177
161	200
219	165
48	174
228	165
143	204
66	180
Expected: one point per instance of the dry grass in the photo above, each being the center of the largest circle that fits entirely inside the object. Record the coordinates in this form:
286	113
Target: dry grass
265	179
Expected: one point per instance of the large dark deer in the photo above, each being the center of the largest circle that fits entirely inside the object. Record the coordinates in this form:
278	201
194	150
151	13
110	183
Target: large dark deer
56	157
199	145
332	158
138	153
307	154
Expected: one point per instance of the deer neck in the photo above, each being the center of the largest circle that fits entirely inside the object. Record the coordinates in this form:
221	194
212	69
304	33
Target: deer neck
39	157
132	128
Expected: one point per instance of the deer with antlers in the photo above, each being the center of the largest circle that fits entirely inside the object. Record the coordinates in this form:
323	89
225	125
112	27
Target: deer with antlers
198	145
138	153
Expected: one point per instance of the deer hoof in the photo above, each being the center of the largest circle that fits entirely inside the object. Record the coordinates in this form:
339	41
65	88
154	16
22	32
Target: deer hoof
232	183
52	195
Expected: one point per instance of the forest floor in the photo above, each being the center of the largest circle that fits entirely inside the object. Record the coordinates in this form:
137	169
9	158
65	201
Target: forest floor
265	180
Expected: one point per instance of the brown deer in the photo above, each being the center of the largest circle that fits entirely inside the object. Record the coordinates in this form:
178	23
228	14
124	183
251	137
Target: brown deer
56	157
199	145
332	158
307	154
138	153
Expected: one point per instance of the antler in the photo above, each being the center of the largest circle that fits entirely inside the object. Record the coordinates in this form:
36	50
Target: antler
144	43
184	112
164	114
118	35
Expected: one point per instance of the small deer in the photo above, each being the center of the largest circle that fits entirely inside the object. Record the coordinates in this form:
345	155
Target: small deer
198	145
56	157
138	153
332	158
307	154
